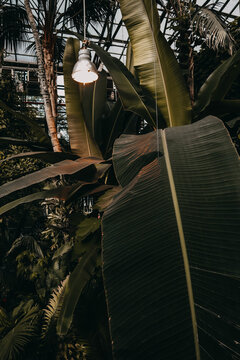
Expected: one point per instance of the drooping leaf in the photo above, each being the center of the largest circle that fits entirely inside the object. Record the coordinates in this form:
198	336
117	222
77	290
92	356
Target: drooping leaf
156	66
62	168
81	141
59	193
22	142
77	281
65	193
47	156
171	248
132	97
218	83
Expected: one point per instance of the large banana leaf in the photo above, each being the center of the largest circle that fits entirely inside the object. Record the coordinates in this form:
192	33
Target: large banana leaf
154	61
81	140
171	247
65	167
218	83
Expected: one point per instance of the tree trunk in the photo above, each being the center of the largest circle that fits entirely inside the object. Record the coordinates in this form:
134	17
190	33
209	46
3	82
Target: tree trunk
51	79
191	73
43	81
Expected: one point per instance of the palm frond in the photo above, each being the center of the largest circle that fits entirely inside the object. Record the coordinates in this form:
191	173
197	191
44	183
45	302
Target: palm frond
96	11
19	336
60	44
26	242
52	311
209	25
13	24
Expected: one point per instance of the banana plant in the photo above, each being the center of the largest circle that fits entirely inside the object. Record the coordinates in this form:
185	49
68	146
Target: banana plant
156	93
170	243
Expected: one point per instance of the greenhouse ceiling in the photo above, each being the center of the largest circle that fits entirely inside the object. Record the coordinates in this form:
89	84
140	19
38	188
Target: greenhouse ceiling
111	32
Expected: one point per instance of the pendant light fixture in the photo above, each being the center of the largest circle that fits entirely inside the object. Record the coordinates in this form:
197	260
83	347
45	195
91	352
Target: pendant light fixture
84	70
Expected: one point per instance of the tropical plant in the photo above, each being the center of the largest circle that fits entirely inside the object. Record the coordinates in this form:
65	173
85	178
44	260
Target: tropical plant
46	20
171	242
12	24
18	329
196	25
165	233
157	95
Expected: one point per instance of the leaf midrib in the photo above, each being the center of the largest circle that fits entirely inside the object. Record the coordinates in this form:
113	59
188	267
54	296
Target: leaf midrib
182	242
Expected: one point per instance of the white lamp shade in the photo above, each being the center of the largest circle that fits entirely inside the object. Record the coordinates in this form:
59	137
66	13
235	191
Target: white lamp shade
84	70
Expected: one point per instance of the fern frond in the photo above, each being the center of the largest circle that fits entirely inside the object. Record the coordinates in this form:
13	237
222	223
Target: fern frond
213	30
52	311
14	342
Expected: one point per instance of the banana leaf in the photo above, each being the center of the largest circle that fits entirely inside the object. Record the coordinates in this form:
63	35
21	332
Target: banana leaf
218	83
94	97
21	142
132	96
66	167
62	193
154	61
113	126
171	247
81	140
47	156
129	59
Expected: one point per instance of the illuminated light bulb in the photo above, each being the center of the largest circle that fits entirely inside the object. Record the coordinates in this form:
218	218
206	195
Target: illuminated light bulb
84	70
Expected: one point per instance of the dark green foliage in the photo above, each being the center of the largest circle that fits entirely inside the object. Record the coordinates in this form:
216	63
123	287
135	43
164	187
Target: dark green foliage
176	213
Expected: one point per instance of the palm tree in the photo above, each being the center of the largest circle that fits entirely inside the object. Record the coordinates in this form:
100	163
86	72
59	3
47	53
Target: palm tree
194	25
46	21
12	27
44	86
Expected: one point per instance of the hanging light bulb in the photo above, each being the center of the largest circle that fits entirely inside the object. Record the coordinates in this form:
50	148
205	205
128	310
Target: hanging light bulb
84	70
